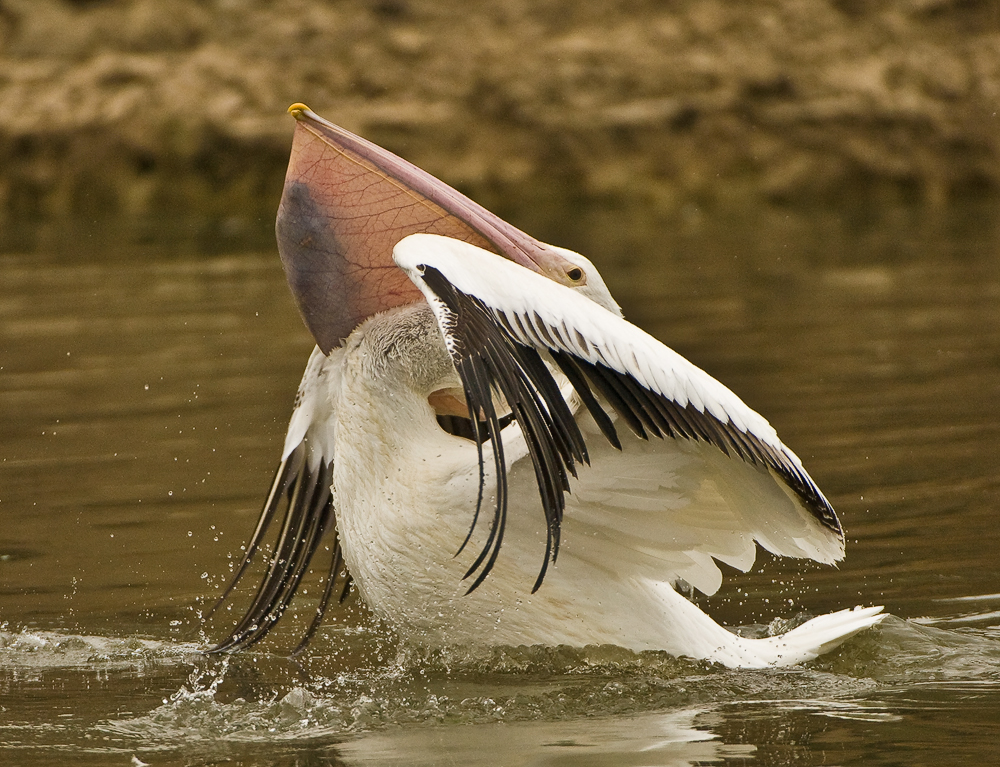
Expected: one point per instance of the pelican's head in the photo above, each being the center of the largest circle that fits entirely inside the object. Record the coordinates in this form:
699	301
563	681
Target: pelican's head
592	285
347	202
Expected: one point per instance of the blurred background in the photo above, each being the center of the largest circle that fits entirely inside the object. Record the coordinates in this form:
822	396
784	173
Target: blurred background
137	107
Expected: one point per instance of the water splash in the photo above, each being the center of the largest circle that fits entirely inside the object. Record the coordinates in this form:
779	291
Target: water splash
51	649
254	697
910	652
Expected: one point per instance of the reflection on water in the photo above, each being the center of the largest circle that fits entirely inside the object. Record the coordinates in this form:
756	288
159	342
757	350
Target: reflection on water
145	382
671	738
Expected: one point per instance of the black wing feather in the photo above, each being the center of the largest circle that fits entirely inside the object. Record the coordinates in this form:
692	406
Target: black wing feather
490	360
309	516
578	380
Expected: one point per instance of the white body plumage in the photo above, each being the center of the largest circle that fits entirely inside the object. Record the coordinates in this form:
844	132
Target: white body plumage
636	520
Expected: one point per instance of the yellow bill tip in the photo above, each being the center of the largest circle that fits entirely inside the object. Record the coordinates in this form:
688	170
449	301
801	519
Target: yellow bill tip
297	109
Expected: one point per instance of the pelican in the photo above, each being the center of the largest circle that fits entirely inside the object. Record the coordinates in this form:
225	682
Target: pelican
494	455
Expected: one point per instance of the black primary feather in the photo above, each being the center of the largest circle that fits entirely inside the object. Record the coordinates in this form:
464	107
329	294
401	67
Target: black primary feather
308	518
490	360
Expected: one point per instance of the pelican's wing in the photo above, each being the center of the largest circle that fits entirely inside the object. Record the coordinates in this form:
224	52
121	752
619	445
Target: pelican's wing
498	319
302	484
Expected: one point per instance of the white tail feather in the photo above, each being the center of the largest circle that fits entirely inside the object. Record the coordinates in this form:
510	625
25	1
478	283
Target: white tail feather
804	643
691	632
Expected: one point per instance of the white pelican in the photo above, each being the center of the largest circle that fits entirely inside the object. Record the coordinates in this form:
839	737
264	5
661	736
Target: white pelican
496	454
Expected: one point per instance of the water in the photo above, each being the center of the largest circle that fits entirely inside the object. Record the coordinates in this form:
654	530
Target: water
146	375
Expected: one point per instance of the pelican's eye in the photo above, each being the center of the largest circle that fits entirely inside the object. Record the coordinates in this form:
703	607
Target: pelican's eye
575	274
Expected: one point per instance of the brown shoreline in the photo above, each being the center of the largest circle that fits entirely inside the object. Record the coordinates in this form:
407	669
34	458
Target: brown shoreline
139	107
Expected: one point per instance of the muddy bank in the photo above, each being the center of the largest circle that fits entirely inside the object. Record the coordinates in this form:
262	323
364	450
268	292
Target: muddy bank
133	107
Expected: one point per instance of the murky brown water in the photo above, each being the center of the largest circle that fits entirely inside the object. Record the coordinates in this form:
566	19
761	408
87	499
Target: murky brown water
145	380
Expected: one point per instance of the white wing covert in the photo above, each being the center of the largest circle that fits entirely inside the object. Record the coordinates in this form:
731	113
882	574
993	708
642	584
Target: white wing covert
501	323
